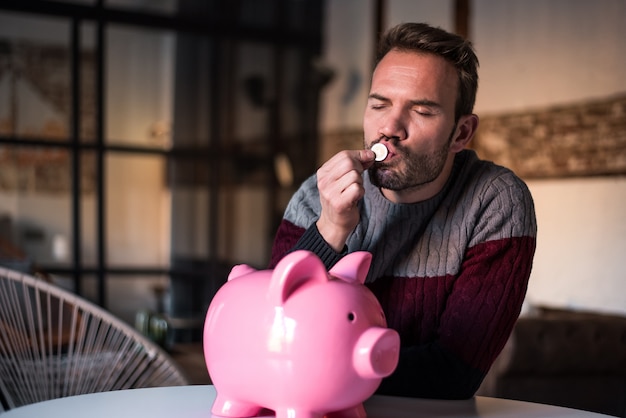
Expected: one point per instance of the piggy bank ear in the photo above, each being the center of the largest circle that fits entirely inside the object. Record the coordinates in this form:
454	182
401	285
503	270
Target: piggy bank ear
353	267
240	270
293	271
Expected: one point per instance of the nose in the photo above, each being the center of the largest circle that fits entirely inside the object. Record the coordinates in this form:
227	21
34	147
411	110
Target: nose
393	127
377	352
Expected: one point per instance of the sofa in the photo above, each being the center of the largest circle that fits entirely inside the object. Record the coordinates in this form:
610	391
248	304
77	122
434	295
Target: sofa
566	358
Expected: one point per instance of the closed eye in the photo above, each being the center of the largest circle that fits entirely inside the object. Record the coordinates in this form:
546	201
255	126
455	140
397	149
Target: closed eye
377	101
426	107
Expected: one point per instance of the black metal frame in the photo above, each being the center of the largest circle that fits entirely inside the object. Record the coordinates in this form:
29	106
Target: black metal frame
217	27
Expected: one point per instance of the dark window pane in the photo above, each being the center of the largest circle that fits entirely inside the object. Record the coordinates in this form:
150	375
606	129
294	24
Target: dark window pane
35	93
260	13
152	6
35	201
137	211
84	2
139	95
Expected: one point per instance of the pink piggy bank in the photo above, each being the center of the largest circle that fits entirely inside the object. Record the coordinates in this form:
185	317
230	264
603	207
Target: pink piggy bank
299	340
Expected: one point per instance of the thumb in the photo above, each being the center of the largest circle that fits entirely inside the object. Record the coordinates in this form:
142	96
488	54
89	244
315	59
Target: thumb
366	157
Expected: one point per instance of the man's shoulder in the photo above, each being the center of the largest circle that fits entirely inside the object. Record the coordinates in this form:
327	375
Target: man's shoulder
488	175
496	195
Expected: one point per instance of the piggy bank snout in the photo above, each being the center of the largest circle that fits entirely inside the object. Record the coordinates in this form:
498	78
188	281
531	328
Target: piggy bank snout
376	353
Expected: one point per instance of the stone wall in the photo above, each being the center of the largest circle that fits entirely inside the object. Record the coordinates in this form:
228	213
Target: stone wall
581	139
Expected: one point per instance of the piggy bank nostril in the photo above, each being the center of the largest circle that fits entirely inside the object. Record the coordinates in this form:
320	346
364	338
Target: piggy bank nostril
351	316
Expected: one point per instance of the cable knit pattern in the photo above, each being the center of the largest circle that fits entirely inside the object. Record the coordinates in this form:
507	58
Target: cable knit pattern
450	271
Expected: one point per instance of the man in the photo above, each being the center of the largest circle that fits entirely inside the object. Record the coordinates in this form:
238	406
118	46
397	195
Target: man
452	236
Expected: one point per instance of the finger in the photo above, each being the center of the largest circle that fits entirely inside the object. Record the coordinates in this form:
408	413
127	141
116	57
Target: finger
366	156
348	160
349	179
352	194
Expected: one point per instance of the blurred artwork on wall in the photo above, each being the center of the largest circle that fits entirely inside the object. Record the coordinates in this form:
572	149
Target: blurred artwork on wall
36	105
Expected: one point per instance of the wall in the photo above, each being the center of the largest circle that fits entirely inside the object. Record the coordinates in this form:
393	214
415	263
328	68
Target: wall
536	53
581	244
586	138
533	55
558	53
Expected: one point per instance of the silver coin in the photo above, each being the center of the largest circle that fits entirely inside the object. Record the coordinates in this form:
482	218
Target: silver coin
380	150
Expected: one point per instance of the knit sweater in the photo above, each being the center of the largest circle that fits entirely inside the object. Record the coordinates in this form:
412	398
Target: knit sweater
450	272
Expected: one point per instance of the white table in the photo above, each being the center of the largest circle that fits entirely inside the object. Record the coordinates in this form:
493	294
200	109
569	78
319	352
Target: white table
196	402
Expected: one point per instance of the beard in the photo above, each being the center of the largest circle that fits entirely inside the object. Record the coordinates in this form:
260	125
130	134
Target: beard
418	170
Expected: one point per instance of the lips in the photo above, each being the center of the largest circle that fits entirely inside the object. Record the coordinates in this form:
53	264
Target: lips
392	152
390	157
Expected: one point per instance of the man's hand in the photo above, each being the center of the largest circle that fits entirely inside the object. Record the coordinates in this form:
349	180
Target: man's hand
340	183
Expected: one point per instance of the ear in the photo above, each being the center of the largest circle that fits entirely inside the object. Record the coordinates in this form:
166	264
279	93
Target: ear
240	270
465	129
293	271
353	267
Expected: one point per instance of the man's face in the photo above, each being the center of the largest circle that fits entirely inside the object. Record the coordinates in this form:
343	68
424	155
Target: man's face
410	109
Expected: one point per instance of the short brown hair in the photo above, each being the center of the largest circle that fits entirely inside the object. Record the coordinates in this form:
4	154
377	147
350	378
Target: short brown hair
421	37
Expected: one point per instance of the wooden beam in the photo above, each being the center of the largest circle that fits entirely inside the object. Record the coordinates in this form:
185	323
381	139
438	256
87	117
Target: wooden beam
462	17
379	23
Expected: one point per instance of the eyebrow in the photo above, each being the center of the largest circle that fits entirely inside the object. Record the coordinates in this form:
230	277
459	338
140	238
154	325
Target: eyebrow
421	102
425	102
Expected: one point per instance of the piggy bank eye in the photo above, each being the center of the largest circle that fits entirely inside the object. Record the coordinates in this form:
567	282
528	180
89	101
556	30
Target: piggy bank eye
351	316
